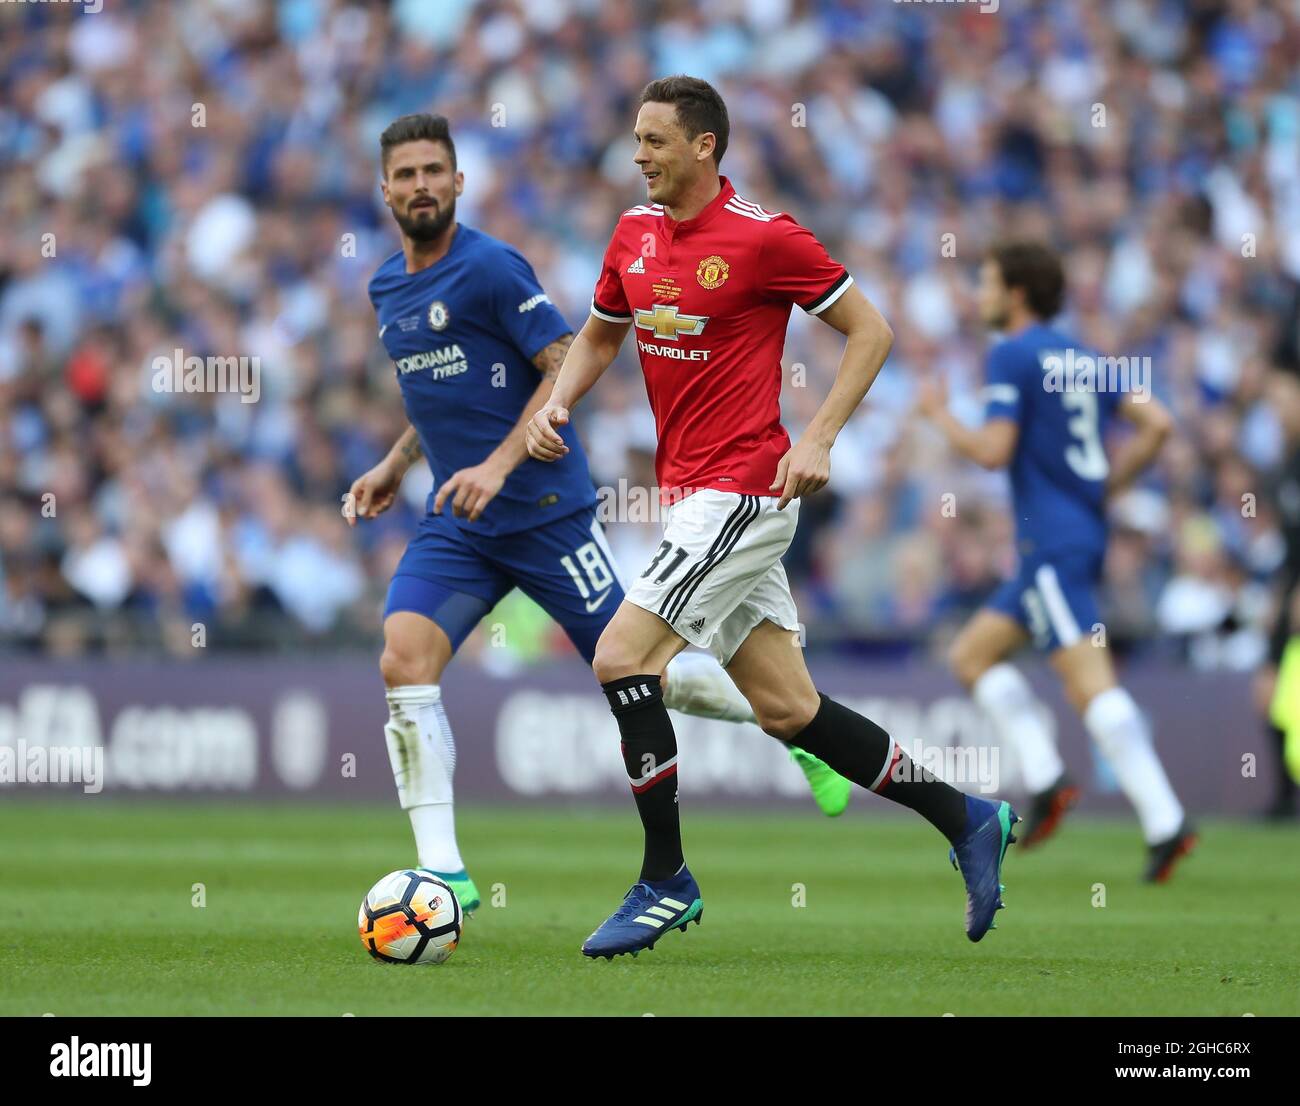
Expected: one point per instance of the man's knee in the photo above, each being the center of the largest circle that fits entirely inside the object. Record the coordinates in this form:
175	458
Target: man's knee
1085	671
402	666
413	655
416	650
615	659
1080	692
785	719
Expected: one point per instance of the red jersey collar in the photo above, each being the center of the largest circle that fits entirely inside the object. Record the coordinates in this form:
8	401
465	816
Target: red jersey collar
707	212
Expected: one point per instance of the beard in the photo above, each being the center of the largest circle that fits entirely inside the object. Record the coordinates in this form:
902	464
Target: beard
421	227
996	318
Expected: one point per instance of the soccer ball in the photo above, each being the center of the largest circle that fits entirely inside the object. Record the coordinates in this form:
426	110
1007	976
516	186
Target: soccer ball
410	917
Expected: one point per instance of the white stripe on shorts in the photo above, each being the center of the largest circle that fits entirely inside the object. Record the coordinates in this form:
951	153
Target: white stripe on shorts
1058	610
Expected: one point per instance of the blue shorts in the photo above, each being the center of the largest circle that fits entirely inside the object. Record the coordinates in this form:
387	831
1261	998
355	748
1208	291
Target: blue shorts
1054	598
455	578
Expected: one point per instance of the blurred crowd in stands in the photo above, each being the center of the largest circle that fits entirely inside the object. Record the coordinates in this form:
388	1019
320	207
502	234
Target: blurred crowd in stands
203	177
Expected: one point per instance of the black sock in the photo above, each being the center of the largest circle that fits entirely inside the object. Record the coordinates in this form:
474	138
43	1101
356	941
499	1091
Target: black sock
858	749
650	756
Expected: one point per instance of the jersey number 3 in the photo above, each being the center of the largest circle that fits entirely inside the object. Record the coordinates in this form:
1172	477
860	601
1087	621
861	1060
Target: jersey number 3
1085	455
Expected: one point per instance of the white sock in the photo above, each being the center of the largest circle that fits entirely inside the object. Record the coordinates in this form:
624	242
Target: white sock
1120	731
1017	717
423	755
698	684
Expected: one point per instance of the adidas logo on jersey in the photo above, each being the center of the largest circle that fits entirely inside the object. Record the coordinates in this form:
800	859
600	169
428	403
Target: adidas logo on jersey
697	625
637	266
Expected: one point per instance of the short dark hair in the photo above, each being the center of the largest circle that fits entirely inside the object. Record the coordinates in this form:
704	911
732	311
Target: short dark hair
1036	268
416	128
699	108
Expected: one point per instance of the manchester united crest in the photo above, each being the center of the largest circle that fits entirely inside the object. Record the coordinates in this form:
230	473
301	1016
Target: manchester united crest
712	273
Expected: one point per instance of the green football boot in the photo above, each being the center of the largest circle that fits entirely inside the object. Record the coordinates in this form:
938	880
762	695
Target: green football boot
466	893
829	788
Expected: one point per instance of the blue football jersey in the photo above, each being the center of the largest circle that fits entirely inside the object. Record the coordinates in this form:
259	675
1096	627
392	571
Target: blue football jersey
1058	473
462	334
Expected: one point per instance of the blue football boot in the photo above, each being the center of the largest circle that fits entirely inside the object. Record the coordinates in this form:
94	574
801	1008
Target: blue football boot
978	854
649	910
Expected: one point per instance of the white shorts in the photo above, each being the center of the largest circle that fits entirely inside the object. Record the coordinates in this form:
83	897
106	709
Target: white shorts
717	574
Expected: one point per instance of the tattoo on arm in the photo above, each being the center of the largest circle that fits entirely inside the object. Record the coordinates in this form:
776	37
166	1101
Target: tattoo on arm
549	360
409	447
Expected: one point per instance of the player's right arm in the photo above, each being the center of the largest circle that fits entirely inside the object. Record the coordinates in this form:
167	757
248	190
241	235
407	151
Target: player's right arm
1154	424
592	352
373	492
992	445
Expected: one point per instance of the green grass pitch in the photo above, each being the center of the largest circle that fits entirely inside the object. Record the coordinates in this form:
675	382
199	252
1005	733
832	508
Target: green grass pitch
96	898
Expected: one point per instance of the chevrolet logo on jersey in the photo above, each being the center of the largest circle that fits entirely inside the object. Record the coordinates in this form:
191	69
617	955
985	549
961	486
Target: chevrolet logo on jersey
666	322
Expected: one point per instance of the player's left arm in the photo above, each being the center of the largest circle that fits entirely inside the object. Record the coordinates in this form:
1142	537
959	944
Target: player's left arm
806	466
1153	424
513	450
534	326
472	489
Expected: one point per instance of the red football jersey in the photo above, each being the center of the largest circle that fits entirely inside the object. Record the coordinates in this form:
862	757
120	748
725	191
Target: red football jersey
710	299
